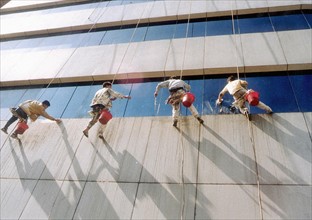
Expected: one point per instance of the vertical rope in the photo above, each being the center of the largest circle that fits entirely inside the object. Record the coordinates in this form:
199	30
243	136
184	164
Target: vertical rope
181	137
128	45
235	40
185	44
257	169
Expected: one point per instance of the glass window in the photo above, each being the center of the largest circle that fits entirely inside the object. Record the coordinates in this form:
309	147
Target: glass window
158	32
180	30
198	28
119	105
142	102
79	104
58	97
289	21
92	38
260	23
275	91
139	34
197	89
10	98
117	36
302	89
308	16
212	88
219	26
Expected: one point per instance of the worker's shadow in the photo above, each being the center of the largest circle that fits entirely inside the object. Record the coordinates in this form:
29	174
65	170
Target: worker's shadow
33	172
286	133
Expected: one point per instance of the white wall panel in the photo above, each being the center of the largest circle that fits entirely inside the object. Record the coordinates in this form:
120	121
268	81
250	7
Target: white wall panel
297	47
194	56
15	194
164	10
146	169
250	6
263	52
283	148
223	54
277	5
132	13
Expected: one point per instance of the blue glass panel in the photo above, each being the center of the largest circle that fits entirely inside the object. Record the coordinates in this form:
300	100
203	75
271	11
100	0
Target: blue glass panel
289	22
79	104
198	28
62	41
308	16
142	102
117	36
302	89
93	38
139	34
197	88
29	43
9	45
219	27
161	108
10	98
114	2
261	23
275	91
58	97
159	32
212	88
180	30
119	105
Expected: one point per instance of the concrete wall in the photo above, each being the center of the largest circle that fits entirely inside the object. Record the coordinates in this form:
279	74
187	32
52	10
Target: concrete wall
228	168
51	21
260	52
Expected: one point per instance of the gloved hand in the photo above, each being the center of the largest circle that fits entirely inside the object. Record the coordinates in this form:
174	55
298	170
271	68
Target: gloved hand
218	102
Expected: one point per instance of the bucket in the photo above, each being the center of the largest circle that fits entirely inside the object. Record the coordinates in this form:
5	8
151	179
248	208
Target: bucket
188	99
21	127
252	97
105	117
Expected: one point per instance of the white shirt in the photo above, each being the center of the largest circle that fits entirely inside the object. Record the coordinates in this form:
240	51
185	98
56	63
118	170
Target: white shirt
103	97
173	84
234	86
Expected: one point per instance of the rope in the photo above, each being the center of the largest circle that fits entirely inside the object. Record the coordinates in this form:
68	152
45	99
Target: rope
234	33
181	137
124	55
187	28
257	169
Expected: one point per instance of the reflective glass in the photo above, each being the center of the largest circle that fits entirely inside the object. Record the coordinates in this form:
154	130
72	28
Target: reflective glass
58	97
160	106
275	91
308	16
92	38
10	98
289	21
197	89
119	105
117	36
301	85
142	102
180	30
219	27
139	34
212	88
79	104
62	41
261	23
198	28
115	2
158	32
